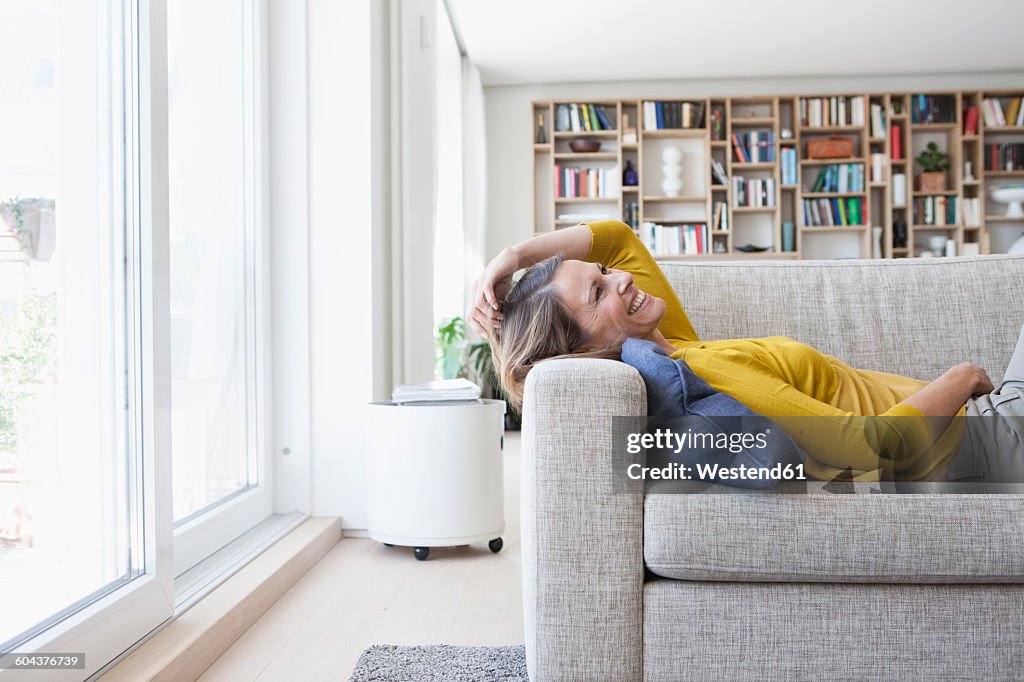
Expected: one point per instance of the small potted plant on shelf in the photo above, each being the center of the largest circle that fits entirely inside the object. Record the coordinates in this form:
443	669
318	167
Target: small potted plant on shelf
934	164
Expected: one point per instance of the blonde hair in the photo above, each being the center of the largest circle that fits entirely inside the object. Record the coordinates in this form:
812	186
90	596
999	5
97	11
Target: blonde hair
536	327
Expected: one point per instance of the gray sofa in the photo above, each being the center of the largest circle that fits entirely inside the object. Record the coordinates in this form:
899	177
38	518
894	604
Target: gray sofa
796	587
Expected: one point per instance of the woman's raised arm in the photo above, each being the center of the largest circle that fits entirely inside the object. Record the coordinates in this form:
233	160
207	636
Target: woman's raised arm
493	283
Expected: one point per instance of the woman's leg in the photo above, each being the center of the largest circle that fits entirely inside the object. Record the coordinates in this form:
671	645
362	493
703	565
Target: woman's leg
1014	377
993	446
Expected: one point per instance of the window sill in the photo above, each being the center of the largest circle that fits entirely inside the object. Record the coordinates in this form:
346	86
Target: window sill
188	644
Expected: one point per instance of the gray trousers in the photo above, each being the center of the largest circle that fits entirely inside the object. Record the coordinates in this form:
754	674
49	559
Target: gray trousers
993	445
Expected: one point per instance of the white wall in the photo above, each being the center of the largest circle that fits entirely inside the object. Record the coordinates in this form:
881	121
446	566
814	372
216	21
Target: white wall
340	210
509	126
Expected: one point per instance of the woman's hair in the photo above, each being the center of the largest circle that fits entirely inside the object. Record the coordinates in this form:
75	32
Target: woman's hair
536	327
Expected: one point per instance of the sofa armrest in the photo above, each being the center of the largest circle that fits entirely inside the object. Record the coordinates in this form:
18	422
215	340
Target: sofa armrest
582	544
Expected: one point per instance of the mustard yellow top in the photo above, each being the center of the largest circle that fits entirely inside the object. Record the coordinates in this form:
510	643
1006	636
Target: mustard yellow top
789	381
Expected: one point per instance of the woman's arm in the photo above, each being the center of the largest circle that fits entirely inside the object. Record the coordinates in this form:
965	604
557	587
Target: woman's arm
574	242
942	399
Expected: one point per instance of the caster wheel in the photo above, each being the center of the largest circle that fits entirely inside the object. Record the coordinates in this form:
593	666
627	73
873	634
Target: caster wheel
388	544
496	544
421	553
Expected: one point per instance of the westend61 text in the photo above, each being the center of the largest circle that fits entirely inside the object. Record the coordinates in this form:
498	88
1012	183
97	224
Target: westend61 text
714	472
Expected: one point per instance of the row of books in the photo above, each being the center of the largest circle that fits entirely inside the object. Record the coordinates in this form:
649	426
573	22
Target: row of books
972	211
971	121
676	240
877	121
580	118
720	216
933	108
659	115
575	182
753	192
935	211
755	146
995	117
837	110
718	174
788	165
833	212
840	177
1006	156
631	214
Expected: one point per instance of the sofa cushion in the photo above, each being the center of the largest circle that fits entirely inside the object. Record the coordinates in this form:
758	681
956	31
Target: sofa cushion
922	538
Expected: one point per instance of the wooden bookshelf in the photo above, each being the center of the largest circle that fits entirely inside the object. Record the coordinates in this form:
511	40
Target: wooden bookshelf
867	119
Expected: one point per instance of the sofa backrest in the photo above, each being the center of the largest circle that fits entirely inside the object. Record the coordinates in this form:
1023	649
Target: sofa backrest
915	317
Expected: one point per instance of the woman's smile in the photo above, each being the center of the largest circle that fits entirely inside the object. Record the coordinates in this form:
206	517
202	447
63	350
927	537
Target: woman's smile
639	298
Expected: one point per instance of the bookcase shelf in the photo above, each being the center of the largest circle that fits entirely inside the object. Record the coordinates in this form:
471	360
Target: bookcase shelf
886	123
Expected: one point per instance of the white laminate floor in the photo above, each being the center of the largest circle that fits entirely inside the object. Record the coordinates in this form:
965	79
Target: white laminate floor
363	593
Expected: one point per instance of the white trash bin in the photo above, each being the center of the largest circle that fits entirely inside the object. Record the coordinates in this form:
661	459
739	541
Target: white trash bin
434	474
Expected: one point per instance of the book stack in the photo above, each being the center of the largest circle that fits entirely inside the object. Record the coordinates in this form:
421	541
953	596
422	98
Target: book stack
720	219
1006	156
995	117
971	120
787	162
659	115
450	390
833	212
718	174
753	192
631	214
676	240
838	110
933	108
755	146
972	212
580	118
877	122
840	177
573	182
935	210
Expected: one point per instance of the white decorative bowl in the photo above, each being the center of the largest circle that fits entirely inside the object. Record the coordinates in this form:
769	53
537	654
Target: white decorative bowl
1012	197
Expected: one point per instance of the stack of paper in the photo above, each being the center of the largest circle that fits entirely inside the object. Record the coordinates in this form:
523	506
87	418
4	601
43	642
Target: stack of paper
436	391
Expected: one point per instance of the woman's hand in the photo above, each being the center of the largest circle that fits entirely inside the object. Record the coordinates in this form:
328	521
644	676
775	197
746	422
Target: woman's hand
490	289
974	377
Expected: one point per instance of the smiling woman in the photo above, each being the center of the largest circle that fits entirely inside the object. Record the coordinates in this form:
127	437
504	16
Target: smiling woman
603	286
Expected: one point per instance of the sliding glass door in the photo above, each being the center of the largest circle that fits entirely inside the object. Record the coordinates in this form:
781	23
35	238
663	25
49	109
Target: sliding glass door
85	563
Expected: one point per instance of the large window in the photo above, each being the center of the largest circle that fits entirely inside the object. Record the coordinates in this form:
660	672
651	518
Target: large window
213	99
131	355
68	486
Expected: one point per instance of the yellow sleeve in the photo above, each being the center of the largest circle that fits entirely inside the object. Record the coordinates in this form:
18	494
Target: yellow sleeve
616	246
899	440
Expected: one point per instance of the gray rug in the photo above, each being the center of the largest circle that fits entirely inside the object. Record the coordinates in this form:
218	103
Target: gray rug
441	663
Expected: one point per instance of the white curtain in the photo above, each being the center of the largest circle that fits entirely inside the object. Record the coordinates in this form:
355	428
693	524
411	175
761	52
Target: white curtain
474	172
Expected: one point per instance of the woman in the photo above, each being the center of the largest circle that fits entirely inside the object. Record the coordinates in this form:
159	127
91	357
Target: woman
592	286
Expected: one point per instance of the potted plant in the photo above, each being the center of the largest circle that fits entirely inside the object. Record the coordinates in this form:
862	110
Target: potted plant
479	357
32	221
934	163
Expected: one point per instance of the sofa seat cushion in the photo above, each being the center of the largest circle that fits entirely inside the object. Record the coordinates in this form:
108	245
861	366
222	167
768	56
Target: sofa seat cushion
738	535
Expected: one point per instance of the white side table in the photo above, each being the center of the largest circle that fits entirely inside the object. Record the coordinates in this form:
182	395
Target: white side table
434	474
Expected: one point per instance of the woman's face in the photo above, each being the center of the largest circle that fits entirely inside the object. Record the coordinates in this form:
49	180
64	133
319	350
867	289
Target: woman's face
606	304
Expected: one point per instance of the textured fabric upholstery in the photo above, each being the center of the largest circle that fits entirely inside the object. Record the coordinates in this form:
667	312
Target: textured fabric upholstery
588	615
914	317
583	566
774	631
836	538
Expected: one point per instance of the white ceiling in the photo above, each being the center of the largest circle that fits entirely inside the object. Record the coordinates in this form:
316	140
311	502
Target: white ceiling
557	41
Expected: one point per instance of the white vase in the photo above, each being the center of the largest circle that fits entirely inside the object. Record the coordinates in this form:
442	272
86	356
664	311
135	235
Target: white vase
672	171
672	183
